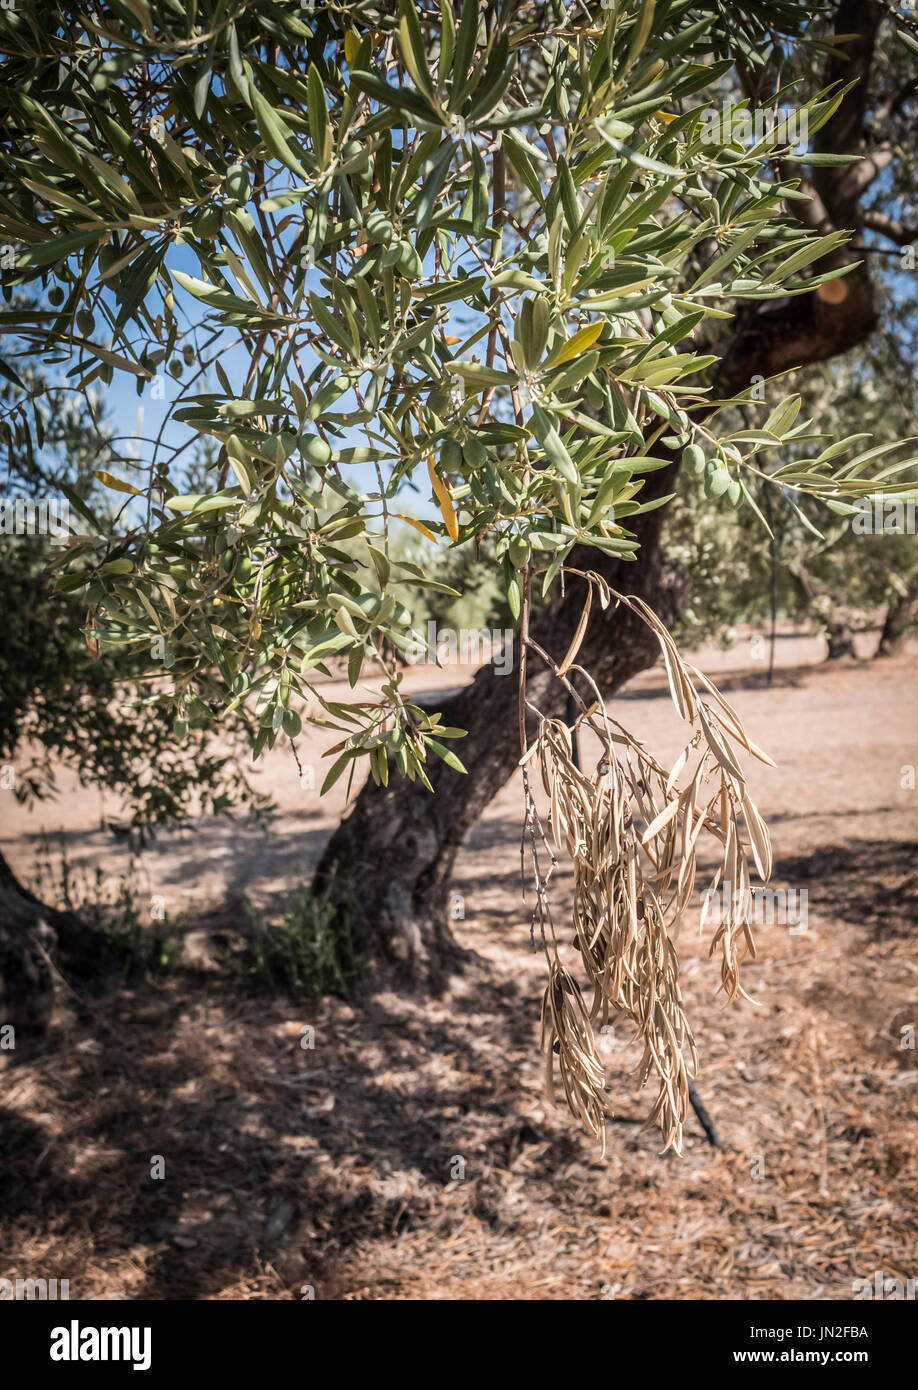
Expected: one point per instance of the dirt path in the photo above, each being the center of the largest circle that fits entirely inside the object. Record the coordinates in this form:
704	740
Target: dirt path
411	1152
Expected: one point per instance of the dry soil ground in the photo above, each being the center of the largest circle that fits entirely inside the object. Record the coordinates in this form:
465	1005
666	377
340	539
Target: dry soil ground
411	1152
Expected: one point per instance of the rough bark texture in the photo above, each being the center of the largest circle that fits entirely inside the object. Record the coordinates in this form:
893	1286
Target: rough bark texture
395	851
836	621
840	642
31	936
901	618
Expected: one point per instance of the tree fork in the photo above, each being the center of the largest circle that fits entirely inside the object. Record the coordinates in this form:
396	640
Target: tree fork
396	849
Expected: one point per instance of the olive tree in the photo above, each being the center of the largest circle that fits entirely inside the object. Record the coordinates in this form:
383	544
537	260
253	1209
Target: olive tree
485	254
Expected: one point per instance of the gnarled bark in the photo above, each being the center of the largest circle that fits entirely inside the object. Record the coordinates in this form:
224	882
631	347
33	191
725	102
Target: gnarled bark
394	853
32	936
901	618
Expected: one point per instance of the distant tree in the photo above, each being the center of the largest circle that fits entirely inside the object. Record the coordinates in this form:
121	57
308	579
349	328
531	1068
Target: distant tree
65	702
838	573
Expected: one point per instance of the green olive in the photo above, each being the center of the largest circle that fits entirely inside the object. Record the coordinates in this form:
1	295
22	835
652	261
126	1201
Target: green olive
379	227
716	481
409	262
206	222
314	449
474	452
238	185
450	456
292	723
519	551
693	458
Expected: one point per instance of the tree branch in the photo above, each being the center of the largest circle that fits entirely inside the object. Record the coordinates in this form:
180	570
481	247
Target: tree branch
889	227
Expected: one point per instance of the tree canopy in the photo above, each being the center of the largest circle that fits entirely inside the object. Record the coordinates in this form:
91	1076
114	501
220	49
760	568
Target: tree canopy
489	244
473	260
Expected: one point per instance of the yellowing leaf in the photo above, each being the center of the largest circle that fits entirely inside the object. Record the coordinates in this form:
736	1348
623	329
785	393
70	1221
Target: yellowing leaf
584	338
351	46
418	525
116	484
441	493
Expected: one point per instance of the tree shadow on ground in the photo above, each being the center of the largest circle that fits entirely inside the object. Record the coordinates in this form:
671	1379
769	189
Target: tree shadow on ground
275	1154
413	1131
873	883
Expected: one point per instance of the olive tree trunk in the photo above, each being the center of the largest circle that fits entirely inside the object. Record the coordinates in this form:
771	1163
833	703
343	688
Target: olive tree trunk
835	620
390	861
901	618
34	940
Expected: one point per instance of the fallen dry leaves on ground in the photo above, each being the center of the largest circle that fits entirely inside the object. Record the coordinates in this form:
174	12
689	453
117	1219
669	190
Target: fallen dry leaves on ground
412	1153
